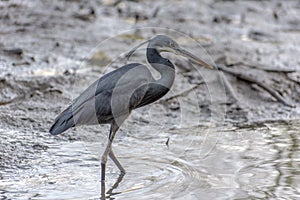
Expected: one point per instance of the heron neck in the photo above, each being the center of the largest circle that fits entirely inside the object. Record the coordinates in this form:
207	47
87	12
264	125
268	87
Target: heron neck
163	66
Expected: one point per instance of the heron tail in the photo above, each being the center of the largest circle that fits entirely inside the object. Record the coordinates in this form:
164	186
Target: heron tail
63	122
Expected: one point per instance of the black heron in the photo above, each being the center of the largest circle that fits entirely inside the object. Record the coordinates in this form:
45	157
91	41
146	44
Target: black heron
111	98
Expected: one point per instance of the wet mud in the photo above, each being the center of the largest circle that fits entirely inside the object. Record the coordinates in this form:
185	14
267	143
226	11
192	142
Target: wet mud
50	51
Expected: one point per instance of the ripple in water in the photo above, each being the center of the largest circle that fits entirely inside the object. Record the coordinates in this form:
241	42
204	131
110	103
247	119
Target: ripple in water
247	163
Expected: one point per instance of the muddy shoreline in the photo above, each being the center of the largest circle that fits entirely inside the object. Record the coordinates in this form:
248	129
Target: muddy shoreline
50	51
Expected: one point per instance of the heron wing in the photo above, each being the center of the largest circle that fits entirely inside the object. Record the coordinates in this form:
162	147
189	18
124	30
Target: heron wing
107	98
111	96
153	93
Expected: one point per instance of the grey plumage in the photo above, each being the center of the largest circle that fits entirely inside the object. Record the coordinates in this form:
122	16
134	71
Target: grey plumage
85	110
110	99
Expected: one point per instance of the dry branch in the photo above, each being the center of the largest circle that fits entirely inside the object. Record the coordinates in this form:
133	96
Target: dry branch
183	93
260	83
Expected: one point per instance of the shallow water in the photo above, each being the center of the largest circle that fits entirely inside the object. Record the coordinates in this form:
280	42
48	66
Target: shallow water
200	163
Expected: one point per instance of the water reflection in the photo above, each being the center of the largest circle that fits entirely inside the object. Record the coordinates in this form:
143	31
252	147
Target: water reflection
245	163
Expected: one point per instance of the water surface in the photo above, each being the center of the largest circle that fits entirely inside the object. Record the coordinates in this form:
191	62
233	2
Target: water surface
200	163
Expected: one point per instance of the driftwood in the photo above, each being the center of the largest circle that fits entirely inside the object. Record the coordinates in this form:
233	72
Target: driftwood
231	61
266	68
260	83
243	76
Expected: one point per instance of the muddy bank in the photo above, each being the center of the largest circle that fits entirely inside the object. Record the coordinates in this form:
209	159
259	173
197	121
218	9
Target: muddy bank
78	41
51	51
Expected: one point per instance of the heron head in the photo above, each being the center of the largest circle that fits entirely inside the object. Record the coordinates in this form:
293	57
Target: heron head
163	43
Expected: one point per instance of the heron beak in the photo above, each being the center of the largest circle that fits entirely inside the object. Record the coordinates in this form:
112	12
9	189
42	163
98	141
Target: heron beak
194	58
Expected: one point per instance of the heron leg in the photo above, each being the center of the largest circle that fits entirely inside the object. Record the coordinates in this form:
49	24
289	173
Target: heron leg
113	129
114	158
110	191
103	166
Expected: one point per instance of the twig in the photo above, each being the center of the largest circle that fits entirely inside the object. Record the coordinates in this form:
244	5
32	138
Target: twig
266	68
229	88
260	66
3	103
185	92
262	84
